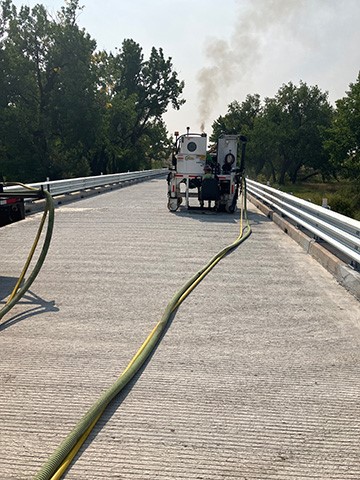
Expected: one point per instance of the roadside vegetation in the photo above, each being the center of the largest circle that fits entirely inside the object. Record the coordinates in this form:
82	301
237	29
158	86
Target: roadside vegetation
300	143
68	109
341	196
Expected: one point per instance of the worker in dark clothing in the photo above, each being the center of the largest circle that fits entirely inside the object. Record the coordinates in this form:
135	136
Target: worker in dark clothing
209	188
207	172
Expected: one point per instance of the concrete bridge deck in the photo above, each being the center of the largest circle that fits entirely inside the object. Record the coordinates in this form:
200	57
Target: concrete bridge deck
257	377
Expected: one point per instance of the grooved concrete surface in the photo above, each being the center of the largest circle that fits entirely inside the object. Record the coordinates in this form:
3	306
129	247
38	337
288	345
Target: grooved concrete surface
256	378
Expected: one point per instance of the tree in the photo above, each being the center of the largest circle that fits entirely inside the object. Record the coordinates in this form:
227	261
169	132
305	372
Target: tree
158	86
263	146
68	110
71	107
49	101
136	93
17	100
304	114
240	117
288	136
157	145
343	137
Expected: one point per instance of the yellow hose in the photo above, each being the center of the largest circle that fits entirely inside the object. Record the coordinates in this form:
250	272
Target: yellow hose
18	290
59	461
29	258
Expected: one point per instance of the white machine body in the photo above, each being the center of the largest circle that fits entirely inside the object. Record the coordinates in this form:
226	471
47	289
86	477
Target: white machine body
192	154
187	179
227	151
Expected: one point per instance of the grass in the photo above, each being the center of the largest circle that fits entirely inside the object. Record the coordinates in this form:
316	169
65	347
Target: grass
342	197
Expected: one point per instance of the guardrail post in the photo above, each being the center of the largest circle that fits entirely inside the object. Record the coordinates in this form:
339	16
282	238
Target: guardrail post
331	229
324	203
355	265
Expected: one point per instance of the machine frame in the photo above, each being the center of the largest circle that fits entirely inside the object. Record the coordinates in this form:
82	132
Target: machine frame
187	173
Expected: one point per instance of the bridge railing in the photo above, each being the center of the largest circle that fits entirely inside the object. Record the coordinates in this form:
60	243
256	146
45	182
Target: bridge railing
61	187
339	231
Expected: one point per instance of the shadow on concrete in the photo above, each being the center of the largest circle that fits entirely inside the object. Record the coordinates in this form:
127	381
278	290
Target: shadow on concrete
37	306
7	285
206	215
211	216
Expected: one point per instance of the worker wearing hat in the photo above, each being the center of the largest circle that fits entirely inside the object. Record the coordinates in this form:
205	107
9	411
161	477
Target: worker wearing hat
207	172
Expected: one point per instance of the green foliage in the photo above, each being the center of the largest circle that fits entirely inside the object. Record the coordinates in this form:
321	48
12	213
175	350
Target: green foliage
343	138
135	94
291	128
342	197
240	117
297	135
285	133
68	110
50	94
347	200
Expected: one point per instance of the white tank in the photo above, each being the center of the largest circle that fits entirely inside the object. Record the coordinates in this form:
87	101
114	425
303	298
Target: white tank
191	156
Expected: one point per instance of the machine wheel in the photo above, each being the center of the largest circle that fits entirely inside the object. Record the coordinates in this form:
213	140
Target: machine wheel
230	208
173	204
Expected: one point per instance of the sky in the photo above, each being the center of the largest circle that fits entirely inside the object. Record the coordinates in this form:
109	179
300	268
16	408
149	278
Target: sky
227	49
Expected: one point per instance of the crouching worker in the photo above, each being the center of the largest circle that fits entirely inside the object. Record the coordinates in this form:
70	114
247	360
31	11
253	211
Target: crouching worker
208	172
209	187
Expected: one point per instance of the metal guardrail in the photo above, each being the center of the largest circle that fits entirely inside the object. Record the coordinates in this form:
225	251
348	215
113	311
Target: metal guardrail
61	187
339	231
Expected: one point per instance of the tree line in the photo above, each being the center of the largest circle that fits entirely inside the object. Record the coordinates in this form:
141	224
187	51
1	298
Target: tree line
69	110
297	134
